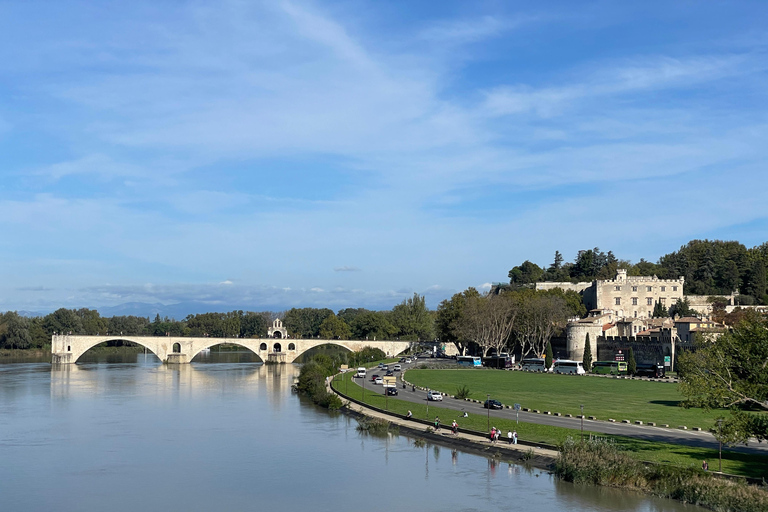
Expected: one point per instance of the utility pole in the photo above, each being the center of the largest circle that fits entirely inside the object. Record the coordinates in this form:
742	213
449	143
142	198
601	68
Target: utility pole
489	412
720	440
582	422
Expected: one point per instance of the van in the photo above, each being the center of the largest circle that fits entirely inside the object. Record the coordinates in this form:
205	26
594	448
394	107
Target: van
360	373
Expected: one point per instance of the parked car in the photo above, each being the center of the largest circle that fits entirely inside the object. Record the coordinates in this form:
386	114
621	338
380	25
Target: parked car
435	395
492	404
391	391
378	380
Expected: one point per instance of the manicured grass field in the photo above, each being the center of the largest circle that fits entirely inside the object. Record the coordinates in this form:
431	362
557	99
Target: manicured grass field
603	398
733	462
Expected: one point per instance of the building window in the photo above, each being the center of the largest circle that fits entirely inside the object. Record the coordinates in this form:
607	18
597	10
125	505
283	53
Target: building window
618	301
663	301
674	288
663	288
635	317
617	288
634	288
649	288
649	301
634	301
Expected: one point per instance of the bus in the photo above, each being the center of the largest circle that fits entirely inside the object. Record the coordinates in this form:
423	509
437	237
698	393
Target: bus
471	361
610	367
499	361
535	364
568	366
651	370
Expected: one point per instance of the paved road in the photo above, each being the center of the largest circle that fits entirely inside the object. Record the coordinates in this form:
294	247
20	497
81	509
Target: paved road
659	434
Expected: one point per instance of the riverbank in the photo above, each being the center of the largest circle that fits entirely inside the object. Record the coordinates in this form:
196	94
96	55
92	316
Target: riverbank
533	454
686	484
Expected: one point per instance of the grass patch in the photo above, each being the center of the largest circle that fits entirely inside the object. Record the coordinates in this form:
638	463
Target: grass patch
602	397
733	462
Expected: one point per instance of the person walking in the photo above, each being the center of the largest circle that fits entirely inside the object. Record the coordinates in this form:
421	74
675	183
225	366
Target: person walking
437	424
509	436
514	437
498	434
493	434
705	466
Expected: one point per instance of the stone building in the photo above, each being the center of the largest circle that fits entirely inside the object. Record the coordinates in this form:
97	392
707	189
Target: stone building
628	296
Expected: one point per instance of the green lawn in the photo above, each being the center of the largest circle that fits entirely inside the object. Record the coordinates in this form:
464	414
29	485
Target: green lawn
733	462
603	398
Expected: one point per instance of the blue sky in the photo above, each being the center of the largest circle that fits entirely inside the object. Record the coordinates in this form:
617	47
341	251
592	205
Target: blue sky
265	155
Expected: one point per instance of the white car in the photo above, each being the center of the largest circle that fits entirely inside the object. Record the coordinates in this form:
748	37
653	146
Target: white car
434	395
397	368
408	360
379	381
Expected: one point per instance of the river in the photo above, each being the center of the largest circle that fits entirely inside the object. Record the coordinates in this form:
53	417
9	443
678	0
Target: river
130	434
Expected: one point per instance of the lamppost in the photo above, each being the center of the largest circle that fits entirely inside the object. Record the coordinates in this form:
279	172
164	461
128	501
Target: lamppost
582	422
488	405
720	441
364	387
427	403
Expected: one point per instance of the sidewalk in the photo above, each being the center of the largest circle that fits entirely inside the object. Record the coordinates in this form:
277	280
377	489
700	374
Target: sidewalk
535	455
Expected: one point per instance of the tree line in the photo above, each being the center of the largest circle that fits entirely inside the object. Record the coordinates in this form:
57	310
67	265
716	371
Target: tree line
506	320
710	267
409	320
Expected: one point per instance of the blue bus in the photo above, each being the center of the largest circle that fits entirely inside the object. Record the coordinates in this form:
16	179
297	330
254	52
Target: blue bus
471	361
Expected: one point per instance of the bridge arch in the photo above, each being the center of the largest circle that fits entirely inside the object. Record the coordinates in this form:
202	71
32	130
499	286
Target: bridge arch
230	341
82	344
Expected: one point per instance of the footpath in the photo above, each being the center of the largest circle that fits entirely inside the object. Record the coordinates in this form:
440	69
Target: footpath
537	455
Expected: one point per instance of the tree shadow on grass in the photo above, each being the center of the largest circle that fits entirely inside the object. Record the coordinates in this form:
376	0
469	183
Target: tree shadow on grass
668	403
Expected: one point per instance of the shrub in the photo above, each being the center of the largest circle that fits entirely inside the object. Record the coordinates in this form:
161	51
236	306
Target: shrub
462	392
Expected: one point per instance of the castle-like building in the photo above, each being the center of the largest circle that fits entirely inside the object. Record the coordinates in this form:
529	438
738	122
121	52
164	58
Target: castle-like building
627	296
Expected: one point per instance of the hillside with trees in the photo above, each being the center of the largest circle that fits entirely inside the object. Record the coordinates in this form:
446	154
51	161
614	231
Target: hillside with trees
710	267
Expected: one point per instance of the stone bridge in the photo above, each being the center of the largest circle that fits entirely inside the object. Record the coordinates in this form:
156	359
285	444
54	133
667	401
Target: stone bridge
172	349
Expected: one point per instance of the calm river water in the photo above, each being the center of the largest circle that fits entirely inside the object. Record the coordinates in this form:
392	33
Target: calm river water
231	436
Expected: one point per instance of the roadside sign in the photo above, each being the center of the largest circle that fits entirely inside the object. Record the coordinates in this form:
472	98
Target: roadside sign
667	361
344	368
517	407
389	382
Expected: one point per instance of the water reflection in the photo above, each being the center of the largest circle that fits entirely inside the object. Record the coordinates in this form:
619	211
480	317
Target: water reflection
123	436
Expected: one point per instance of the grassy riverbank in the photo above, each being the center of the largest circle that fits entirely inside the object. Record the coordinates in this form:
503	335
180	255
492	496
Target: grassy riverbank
684	456
604	463
603	398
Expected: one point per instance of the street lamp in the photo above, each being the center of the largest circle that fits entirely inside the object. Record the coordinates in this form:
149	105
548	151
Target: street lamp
427	403
582	422
488	405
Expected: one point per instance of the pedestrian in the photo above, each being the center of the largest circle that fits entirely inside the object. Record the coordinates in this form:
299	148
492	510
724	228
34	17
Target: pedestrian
437	424
409	415
705	466
514	437
509	436
493	434
498	434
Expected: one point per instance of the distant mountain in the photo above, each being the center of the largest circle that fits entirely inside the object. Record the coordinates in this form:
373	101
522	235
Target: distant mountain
30	314
176	311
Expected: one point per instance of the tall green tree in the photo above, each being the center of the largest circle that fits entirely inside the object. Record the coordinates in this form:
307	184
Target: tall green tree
527	273
659	311
413	319
334	328
587	359
449	319
548	356
631	362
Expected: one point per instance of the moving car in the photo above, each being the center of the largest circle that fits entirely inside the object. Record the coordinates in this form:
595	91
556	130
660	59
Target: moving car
408	360
434	395
397	367
392	391
389	373
378	380
492	404
374	377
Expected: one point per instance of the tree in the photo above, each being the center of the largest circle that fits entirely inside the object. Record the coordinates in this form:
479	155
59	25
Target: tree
542	315
527	273
557	263
730	372
413	320
334	328
659	311
488	320
372	324
587	360
15	331
681	308
305	322
548	356
631	362
449	318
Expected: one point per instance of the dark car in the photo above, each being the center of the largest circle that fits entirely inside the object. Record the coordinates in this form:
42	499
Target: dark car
389	373
392	391
492	404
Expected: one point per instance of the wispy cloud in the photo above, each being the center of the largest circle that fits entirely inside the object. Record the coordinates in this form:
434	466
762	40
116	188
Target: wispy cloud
346	268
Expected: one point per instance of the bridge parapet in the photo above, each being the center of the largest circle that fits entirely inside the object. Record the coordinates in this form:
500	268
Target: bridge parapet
181	350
